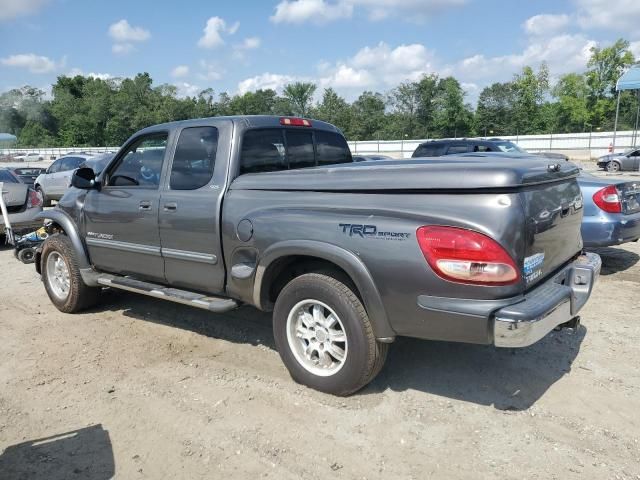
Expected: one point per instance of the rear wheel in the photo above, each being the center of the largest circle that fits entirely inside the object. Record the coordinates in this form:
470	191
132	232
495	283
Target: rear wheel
61	276
324	335
613	166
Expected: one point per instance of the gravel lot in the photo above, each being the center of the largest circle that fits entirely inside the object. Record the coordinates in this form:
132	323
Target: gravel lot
139	388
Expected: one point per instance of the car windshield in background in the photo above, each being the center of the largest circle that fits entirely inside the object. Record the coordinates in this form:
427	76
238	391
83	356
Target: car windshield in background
509	147
29	171
6	177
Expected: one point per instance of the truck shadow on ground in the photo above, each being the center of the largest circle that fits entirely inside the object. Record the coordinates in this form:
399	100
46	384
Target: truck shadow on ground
508	379
84	454
616	260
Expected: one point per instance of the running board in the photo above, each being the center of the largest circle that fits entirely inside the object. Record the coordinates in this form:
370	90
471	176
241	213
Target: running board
213	304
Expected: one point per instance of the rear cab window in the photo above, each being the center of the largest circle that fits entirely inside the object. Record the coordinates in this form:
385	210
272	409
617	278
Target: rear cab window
275	149
435	150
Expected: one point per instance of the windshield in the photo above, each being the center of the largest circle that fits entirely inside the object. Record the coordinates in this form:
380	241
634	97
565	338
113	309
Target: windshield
509	147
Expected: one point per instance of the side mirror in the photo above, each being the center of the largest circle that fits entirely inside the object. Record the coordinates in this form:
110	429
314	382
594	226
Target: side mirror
84	178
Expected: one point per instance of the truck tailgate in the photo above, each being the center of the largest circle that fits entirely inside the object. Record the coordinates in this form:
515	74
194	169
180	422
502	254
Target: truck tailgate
553	213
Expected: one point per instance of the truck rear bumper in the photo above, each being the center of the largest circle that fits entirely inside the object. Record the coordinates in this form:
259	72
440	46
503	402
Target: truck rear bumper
555	302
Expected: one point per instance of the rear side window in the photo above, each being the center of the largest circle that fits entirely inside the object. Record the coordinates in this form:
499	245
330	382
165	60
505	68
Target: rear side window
271	150
70	163
6	177
457	149
195	158
332	148
429	150
262	151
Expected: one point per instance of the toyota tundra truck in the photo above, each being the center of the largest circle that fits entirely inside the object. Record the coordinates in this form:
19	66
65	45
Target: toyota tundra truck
272	212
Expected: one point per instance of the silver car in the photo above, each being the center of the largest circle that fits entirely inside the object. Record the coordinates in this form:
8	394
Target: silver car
56	180
615	162
22	202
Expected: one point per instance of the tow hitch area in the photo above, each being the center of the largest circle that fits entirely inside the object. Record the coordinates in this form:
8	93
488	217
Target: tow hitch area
572	325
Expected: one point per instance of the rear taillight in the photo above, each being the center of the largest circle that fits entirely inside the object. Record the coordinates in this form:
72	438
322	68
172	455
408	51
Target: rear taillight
34	200
608	199
296	122
465	256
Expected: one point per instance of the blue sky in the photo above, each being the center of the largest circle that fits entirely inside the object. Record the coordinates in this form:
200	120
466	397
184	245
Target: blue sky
351	45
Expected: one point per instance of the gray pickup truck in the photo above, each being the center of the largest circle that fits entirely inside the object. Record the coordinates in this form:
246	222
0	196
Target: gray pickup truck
272	212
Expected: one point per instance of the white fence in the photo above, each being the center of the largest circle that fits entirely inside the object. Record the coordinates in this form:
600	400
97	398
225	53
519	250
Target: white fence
579	146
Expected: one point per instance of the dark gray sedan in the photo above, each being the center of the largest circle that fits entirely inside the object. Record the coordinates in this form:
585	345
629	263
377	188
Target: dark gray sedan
615	162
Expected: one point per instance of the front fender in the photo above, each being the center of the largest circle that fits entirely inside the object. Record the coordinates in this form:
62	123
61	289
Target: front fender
348	261
71	230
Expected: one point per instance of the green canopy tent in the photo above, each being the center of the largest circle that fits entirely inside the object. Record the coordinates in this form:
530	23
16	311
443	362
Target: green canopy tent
630	80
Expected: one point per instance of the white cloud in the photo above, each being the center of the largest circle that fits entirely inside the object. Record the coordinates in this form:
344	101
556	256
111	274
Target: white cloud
635	49
10	9
316	11
211	71
78	71
180	71
122	32
323	11
185	89
272	81
213	31
546	24
122	48
347	77
32	62
125	36
562	53
250	43
621	16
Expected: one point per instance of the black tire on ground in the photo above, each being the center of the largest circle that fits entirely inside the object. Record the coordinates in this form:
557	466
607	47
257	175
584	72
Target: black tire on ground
365	356
27	255
80	296
45	201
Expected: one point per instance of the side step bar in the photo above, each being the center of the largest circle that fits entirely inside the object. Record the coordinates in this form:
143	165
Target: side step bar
213	304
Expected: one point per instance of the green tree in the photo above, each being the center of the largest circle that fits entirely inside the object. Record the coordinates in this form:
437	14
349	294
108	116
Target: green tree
452	117
605	67
300	97
367	116
333	109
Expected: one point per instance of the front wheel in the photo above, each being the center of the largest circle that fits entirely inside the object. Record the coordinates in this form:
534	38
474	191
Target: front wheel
45	201
324	335
613	166
61	276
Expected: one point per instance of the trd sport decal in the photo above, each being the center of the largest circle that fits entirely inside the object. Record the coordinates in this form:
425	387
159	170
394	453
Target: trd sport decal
370	231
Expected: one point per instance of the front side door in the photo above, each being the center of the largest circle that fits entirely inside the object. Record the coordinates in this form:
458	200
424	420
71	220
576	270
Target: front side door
190	207
635	160
121	219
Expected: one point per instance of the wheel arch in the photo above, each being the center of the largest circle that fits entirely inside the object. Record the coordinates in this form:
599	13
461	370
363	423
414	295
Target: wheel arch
60	220
280	260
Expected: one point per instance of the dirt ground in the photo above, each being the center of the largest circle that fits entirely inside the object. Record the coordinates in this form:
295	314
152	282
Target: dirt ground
140	388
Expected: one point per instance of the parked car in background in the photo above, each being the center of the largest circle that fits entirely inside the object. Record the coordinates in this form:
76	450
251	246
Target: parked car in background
611	211
23	203
616	162
55	181
364	158
437	148
28	175
97	163
28	157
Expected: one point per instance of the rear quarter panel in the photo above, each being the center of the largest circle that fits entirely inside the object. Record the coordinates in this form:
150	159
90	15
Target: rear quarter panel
383	238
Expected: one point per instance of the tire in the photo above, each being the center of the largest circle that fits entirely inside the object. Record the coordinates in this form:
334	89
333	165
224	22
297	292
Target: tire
27	255
321	370
45	201
613	166
77	295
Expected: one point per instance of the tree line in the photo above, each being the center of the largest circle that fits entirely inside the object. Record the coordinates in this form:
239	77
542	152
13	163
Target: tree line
88	111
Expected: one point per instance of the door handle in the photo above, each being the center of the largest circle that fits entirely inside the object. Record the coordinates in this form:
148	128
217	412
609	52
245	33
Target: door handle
170	207
145	206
